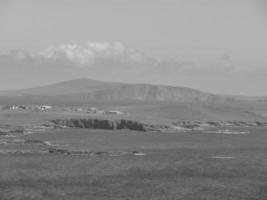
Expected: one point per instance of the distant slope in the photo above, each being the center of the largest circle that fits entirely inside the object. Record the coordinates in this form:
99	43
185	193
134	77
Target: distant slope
146	92
107	91
247	98
63	88
142	100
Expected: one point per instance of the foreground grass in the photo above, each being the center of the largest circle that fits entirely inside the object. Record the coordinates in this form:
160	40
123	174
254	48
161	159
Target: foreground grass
176	167
162	174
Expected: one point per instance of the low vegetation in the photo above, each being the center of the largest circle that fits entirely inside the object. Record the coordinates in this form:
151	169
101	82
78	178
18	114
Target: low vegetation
188	171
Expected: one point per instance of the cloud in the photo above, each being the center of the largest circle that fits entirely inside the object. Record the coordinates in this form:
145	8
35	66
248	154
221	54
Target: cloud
94	53
99	46
225	57
112	61
70	52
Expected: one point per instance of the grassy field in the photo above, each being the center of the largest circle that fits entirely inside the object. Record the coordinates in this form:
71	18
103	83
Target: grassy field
182	110
32	118
188	166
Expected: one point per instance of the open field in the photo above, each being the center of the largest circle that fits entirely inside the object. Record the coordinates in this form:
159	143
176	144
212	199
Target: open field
217	163
31	118
180	110
175	166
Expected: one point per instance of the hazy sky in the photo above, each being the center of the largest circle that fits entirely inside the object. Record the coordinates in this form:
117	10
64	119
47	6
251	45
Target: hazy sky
161	27
200	31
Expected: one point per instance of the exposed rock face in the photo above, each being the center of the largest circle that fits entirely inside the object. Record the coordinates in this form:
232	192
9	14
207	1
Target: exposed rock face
146	92
196	124
138	126
100	124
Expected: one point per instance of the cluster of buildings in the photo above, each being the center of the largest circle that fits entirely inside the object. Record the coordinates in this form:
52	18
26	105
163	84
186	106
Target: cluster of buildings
40	108
97	111
44	108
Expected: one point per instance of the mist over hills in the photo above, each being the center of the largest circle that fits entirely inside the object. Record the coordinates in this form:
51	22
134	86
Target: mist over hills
92	56
103	61
111	61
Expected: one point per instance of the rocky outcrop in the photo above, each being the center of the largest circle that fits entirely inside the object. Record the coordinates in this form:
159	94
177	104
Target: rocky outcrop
123	124
100	124
93	153
196	124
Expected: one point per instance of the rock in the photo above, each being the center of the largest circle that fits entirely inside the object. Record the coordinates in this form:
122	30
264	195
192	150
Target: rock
100	124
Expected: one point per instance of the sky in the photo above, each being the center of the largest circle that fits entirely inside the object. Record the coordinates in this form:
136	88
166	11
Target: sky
204	32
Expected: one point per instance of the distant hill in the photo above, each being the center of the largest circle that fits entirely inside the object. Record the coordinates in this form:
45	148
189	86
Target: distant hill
146	92
63	88
98	90
143	100
247	98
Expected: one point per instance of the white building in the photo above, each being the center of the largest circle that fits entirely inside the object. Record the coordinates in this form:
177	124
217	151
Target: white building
115	112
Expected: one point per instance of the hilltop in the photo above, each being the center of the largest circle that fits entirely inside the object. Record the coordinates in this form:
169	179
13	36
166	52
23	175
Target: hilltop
105	91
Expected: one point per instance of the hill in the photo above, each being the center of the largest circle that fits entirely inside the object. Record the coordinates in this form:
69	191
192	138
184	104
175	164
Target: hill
109	91
63	88
142	100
